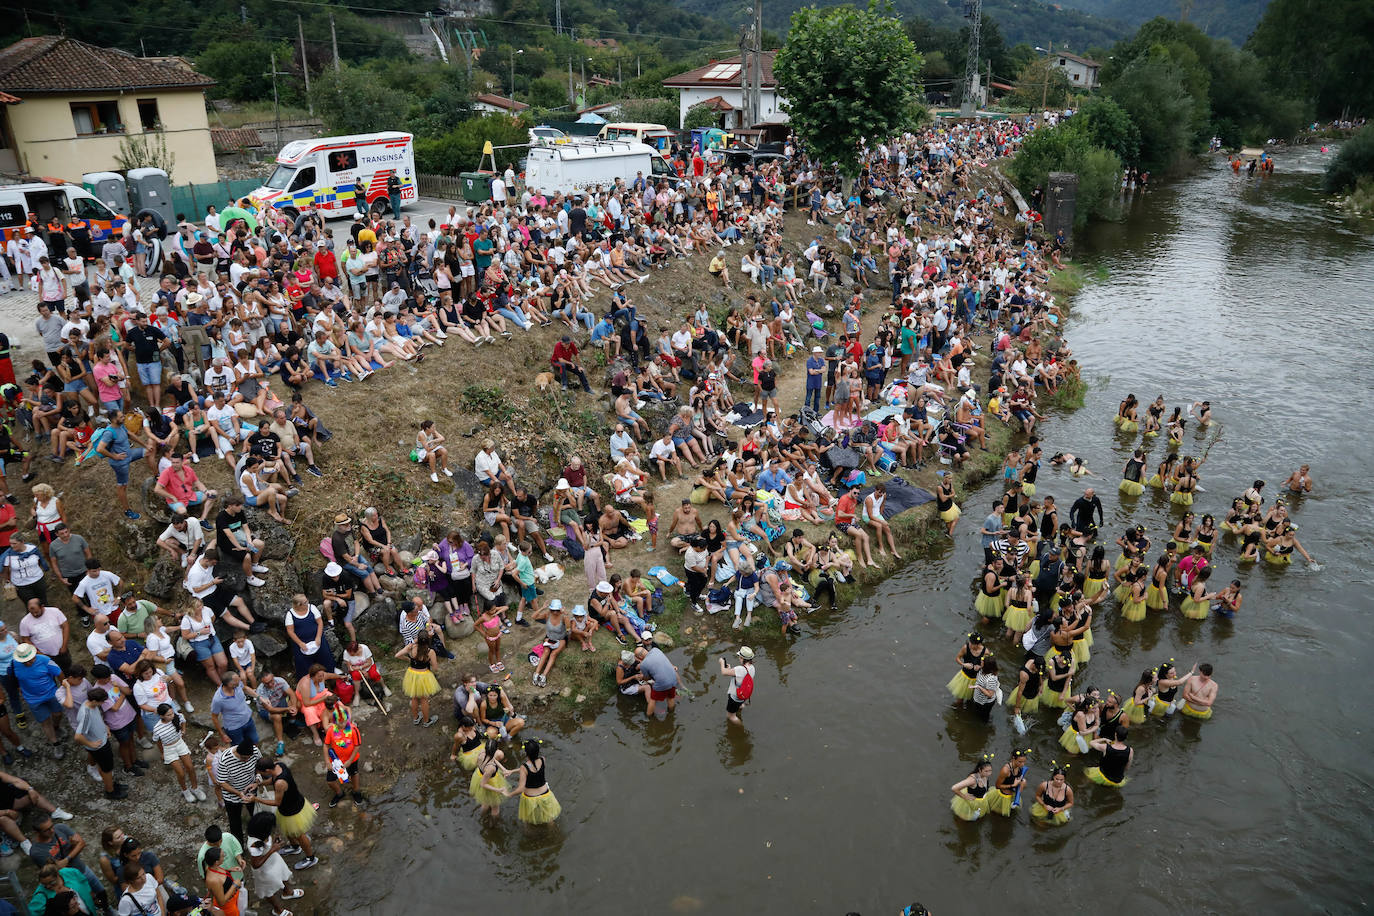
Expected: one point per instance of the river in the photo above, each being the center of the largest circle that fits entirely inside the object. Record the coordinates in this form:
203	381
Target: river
835	798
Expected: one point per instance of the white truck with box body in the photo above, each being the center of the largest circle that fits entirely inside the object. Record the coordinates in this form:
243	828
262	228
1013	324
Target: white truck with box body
566	168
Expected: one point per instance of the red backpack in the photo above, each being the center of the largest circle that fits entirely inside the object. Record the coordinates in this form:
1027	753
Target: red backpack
746	687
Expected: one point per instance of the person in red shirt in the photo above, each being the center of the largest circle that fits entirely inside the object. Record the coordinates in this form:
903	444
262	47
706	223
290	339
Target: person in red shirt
845	511
8	524
698	165
566	363
182	490
326	264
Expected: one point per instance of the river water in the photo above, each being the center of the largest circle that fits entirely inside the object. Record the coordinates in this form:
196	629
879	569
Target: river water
1246	292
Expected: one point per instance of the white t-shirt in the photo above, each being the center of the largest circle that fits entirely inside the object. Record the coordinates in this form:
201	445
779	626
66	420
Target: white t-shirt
161	643
662	450
202	627
737	678
151	692
142	901
242	657
25	568
486	464
98	643
226	419
361	661
101	593
197	578
44	632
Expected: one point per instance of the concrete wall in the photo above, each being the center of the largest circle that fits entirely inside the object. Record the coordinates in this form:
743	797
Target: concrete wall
48	146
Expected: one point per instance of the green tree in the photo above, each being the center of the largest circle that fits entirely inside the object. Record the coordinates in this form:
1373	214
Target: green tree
1354	161
241	67
547	92
355	101
650	111
848	75
1109	126
1067	148
700	116
146	150
1040	84
1151	91
460	150
1324	50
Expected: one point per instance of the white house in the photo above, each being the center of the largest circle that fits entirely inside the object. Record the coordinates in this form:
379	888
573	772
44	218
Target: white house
718	83
1081	71
487	103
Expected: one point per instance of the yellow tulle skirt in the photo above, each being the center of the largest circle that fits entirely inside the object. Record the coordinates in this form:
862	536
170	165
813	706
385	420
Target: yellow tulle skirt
1027	488
1131	487
1017	619
1027	706
1120	563
1174	443
1129	426
1051	699
1121	592
298	824
484	796
1069	740
1088	637
1132	712
1231	527
1081	655
1180	498
1194	713
419	683
1134	611
1161	708
468	759
1155	598
961	686
951	514
1095	774
1093	587
1205	545
970	810
988	605
1040	812
1155	481
1278	559
1000	803
1008	518
1065	653
1033	570
1151	433
1194	609
539	809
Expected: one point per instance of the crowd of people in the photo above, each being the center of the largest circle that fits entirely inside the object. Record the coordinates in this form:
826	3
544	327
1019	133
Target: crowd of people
283	308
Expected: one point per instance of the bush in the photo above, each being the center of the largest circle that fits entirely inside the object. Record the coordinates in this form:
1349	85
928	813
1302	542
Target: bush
700	116
1068	148
1354	160
460	150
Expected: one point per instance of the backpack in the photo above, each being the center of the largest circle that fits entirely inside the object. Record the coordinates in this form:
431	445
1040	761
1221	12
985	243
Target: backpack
745	690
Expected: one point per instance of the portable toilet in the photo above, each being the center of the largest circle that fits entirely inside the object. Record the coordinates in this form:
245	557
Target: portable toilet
109	188
150	189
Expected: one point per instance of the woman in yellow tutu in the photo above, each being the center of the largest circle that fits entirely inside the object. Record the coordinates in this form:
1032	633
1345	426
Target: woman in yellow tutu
1053	797
420	683
969	658
1154	416
1058	678
1083	728
1116	759
1006	796
1235	516
537	802
1164	472
1167	684
1157	595
1096	575
989	600
970	801
1138	703
1082	633
295	814
1206	533
1030	470
467	744
1025	697
1133	543
1126	415
1131	475
1017	617
1175	427
1279	547
1133	606
488	784
944	501
1185	484
1199	600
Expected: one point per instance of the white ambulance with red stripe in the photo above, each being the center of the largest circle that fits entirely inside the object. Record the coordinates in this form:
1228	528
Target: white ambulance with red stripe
321	174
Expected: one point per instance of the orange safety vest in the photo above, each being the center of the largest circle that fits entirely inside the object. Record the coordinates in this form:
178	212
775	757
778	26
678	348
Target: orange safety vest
79	225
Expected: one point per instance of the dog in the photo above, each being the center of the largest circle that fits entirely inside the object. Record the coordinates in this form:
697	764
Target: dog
544	381
549	572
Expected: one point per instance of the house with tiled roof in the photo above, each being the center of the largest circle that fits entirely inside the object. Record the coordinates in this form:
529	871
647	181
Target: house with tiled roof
490	103
65	107
718	84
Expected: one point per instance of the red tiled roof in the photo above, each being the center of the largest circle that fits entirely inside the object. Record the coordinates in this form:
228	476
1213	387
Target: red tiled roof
55	63
233	139
499	101
717	103
697	78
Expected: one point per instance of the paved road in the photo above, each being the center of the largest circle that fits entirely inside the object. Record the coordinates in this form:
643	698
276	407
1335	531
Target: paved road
19	311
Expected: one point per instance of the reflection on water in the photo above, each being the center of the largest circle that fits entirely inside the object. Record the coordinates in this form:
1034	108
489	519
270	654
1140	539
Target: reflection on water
1247	292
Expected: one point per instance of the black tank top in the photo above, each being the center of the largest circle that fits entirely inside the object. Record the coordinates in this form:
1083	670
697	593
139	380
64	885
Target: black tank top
1114	762
1054	804
536	779
292	801
472	742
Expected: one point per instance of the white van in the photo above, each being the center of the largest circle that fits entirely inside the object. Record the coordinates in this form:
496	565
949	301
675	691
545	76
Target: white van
63	202
572	167
656	135
320	174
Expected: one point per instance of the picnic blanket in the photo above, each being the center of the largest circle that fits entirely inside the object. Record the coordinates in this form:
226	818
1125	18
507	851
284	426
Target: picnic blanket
840	457
740	417
901	496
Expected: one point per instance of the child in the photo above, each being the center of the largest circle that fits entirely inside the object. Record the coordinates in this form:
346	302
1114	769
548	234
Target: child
211	744
245	658
489	625
170	734
360	663
524	571
637	593
651	516
582	628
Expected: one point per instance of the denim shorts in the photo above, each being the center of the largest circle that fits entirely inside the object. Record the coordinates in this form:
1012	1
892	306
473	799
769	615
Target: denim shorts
150	373
205	648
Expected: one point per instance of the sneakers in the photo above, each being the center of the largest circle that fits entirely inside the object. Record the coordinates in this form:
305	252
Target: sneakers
131	515
195	458
26	845
736	624
188	795
259	568
386	691
434	478
315	470
359	798
416	720
307	862
292	850
199	793
118	793
431	720
58	751
145	743
93	771
256	582
448	473
59	814
187	706
334	802
294	491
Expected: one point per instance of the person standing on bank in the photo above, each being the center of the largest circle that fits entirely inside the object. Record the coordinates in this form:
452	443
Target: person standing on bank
741	683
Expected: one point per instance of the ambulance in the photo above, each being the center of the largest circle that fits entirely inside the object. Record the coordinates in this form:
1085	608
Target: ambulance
320	174
55	201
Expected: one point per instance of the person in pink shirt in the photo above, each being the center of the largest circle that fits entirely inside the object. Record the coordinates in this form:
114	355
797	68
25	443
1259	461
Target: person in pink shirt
108	374
181	488
1192	564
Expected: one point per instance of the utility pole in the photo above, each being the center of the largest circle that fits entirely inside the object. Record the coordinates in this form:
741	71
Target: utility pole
583	65
243	13
276	108
973	10
142	51
572	94
558	17
756	80
334	40
305	66
1045	93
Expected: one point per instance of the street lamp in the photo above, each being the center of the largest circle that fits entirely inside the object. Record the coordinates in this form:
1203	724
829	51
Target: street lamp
513	52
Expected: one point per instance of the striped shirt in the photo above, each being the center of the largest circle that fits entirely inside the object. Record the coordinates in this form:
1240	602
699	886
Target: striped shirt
166	732
238	772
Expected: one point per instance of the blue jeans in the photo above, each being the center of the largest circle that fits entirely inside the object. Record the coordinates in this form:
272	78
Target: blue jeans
248	730
813	399
515	314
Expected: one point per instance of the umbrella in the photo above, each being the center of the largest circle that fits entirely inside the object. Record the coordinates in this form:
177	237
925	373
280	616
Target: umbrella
229	214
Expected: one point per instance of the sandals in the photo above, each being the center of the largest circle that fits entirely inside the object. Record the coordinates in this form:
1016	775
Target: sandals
294	894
